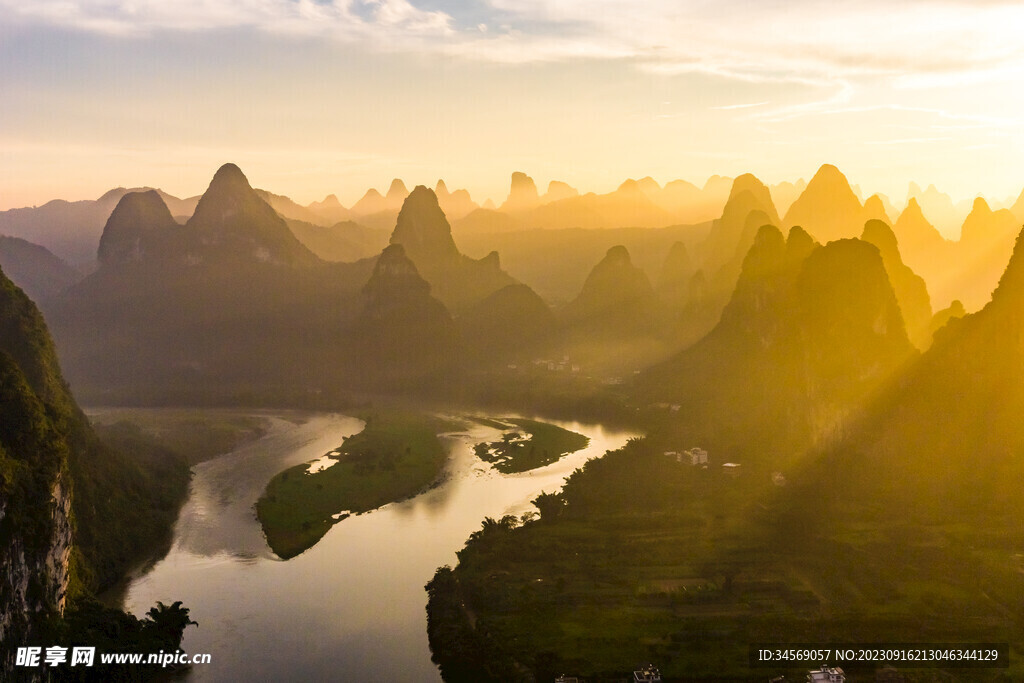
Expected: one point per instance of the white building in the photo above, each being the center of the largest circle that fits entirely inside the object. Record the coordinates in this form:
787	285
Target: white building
826	674
647	673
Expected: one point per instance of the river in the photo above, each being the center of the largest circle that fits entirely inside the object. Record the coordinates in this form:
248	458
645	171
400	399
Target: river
352	607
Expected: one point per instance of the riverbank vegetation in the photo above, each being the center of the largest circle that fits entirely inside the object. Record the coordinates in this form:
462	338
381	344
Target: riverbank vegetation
89	624
644	557
195	435
128	501
397	455
533	445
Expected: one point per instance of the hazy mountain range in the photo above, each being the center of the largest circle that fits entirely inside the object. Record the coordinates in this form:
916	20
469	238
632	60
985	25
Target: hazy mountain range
210	297
827	207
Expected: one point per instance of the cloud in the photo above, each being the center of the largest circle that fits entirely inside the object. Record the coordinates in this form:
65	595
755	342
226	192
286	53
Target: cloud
740	106
912	43
971	121
906	141
344	19
770	41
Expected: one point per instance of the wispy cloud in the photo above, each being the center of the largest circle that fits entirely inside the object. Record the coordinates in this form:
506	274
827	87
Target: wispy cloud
740	106
966	121
906	141
807	41
915	44
343	19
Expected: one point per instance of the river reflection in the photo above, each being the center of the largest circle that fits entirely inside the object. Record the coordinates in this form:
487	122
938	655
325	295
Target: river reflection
353	606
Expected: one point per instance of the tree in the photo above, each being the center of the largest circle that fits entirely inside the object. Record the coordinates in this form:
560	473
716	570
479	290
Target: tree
550	505
169	622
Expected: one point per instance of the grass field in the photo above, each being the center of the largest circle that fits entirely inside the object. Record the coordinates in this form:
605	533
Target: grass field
396	456
533	445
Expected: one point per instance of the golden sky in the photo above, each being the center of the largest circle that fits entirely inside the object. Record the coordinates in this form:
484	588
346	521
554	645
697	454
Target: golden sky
311	98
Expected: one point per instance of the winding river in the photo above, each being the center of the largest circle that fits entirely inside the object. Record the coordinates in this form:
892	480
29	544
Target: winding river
351	607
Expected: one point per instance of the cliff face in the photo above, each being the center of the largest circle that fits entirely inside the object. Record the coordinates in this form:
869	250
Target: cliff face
35	499
34	578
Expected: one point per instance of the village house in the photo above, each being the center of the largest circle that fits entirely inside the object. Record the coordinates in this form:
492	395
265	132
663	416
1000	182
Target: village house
698	456
826	674
648	673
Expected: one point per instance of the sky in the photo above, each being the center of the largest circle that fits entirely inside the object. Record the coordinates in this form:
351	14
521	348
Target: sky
311	97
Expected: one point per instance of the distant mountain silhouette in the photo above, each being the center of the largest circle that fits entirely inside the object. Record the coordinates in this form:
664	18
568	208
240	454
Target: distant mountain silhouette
689	203
890	209
403	334
919	241
231	222
628	206
219	303
426	236
945	441
954	311
874	209
510	323
289	209
718	186
330	211
675	275
344	242
827	209
35	269
616	296
454	204
397	193
910	289
966	270
1018	208
423	230
558	190
986	242
140	227
938	208
984	226
731	235
634	203
799	245
71	230
785	193
686	202
373	202
556	262
522	194
808	333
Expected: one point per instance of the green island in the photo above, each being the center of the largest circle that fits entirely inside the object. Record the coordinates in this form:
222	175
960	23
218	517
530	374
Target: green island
538	444
642	557
396	456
